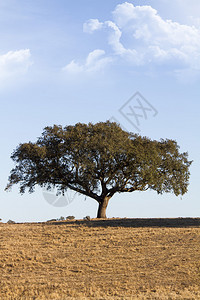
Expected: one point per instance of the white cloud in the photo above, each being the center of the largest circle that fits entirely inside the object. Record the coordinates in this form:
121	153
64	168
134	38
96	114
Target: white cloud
14	63
147	38
139	36
156	39
95	61
114	39
92	25
118	48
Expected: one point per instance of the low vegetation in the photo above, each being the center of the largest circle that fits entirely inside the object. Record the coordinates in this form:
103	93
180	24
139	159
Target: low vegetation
101	259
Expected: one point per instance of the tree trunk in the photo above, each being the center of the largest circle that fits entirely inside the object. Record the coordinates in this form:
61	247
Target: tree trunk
102	207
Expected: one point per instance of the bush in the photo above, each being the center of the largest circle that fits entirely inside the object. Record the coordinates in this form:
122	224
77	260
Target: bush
70	218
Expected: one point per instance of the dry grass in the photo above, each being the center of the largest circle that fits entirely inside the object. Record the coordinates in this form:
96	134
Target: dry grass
107	259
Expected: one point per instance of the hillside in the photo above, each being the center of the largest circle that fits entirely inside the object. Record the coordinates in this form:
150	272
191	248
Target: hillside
101	259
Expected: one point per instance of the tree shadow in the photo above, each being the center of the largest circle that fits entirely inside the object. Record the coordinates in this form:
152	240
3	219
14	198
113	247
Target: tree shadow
134	223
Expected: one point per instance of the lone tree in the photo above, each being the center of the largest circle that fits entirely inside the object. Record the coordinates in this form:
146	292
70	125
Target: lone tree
99	160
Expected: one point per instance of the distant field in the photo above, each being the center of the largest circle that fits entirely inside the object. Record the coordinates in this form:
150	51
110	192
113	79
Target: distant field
101	259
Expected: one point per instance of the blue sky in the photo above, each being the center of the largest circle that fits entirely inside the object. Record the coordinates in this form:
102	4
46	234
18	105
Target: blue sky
63	63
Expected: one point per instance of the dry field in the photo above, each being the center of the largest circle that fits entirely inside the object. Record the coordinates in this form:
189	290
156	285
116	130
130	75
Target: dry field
101	259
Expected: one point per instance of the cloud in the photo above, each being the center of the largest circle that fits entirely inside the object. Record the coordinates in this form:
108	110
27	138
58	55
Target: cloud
95	61
117	46
140	36
92	25
14	63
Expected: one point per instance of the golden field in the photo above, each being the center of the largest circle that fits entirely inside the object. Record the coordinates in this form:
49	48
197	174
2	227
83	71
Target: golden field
101	259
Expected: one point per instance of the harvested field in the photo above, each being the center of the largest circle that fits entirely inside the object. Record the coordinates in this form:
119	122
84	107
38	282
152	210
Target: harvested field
101	259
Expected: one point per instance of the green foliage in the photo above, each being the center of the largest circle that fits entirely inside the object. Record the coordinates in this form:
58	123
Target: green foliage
98	160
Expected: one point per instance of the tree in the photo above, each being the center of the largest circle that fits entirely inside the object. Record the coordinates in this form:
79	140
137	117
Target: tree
99	160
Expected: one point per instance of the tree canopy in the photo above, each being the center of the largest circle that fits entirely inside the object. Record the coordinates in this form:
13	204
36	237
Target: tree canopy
99	160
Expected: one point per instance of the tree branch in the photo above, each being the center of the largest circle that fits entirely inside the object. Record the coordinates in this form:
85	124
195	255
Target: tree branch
86	193
76	189
132	189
